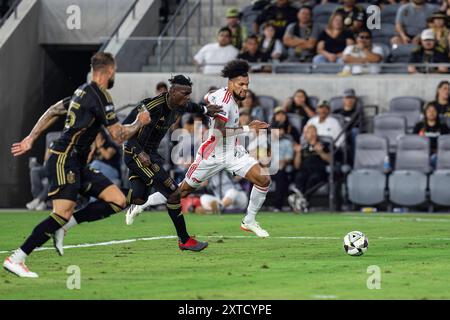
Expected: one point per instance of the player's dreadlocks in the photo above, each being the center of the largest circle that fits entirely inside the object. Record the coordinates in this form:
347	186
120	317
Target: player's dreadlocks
181	80
236	68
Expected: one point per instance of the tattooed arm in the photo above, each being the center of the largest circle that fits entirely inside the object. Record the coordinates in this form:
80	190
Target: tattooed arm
45	121
121	133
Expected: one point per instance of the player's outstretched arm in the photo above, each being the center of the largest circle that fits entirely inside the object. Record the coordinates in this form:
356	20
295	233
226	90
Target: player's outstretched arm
210	110
45	121
254	125
121	133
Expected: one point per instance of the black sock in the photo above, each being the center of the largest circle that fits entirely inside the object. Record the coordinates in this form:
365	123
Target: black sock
41	233
178	221
96	211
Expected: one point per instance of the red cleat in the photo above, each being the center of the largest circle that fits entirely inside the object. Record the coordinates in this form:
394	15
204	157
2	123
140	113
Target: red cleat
192	245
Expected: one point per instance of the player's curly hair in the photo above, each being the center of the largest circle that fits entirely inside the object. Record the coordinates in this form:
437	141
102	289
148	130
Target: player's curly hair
181	80
236	68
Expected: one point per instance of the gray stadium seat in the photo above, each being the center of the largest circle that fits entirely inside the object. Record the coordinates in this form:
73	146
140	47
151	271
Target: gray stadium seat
314	101
384	34
366	183
402	53
322	12
440	178
268	103
390	126
388	13
408	183
409	107
386	50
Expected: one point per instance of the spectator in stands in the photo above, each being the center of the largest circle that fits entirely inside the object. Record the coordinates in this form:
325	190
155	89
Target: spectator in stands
281	14
441	31
285	156
301	105
427	52
251	52
325	124
310	161
39	184
107	157
280	117
252	104
301	37
358	55
244	117
445	8
333	40
354	15
270	46
214	56
432	128
161	87
227	194
352	119
411	19
238	32
442	99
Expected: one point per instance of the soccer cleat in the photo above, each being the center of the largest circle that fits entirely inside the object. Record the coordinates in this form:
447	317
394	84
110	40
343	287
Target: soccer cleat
19	269
255	228
132	212
58	240
192	245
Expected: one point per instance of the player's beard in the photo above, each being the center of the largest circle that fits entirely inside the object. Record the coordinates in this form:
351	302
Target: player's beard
110	83
238	97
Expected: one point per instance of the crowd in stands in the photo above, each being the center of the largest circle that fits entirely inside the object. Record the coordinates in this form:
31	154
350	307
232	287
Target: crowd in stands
414	32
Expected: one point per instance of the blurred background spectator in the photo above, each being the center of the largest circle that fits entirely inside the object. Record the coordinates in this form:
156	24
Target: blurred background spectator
362	53
326	125
251	104
280	118
270	46
281	14
333	40
301	37
238	32
427	52
106	157
300	104
161	87
441	32
354	15
213	56
442	98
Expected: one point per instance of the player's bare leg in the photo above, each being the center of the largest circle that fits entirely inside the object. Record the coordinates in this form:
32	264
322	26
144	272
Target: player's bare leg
111	200
62	211
261	184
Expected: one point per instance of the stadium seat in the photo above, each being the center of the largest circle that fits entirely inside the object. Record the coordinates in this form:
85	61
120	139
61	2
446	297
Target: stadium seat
408	182
390	126
314	101
366	183
384	34
440	178
386	50
388	14
249	15
322	12
268	103
402	53
409	107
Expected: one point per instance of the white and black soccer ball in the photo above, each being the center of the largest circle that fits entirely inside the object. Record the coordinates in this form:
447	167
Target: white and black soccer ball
355	243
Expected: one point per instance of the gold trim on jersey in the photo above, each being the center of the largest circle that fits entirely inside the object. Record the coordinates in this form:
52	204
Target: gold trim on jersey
53	192
149	106
173	206
106	94
60	175
144	169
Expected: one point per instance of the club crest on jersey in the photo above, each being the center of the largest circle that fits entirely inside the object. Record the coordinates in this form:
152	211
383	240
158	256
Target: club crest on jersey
70	177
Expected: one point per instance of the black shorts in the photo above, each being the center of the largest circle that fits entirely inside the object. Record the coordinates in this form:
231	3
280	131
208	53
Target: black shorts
142	179
69	177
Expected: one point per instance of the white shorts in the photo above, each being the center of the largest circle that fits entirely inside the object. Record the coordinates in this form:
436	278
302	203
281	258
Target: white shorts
237	163
239	198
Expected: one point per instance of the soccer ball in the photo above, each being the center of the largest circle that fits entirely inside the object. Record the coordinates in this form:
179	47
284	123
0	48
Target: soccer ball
355	243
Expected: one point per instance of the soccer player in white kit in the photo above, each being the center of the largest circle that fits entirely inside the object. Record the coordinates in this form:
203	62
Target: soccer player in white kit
221	150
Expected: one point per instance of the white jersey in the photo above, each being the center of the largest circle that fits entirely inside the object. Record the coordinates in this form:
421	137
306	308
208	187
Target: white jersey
216	144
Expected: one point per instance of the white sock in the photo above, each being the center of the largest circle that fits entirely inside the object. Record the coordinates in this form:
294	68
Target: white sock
155	199
257	198
18	256
70	224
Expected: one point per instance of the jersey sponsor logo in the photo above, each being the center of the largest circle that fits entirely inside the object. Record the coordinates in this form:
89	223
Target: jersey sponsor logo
70	177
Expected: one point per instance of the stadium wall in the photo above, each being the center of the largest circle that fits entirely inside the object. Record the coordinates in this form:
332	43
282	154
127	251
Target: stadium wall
21	64
375	89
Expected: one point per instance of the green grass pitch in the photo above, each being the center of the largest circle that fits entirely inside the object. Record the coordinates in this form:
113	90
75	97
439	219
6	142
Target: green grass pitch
303	258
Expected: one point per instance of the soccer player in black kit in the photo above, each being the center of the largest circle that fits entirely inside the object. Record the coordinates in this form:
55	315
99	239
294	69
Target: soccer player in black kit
145	164
90	109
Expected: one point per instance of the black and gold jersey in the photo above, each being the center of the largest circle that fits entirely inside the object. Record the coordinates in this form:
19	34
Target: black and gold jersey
90	108
162	117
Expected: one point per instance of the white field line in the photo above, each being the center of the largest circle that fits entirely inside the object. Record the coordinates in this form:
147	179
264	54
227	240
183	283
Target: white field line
113	242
